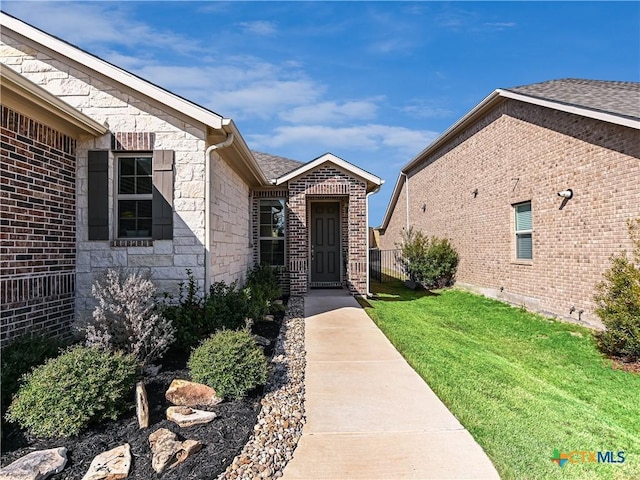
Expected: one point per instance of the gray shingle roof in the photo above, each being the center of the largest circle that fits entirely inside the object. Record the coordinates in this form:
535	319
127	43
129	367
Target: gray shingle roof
274	166
618	98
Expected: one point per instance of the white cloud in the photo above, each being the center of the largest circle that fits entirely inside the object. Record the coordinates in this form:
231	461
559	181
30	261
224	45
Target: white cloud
500	25
259	27
331	112
371	137
421	109
97	24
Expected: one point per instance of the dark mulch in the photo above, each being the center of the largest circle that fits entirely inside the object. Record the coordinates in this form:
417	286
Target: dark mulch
223	438
626	365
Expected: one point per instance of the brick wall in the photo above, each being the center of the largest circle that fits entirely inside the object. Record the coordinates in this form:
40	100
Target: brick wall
38	227
328	182
520	152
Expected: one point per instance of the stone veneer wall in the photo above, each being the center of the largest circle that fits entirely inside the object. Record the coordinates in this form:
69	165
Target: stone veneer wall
133	119
520	152
38	227
328	182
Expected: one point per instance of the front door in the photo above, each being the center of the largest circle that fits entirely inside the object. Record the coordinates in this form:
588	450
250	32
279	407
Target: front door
325	244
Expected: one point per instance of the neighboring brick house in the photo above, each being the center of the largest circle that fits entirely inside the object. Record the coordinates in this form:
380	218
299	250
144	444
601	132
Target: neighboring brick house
101	168
491	184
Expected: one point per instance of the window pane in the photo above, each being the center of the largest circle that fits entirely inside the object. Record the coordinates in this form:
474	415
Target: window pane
134	218
523	217
144	185
272	252
127	166
272	218
127	185
524	246
144	166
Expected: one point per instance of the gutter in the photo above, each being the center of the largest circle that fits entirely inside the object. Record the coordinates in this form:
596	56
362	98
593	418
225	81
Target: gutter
207	207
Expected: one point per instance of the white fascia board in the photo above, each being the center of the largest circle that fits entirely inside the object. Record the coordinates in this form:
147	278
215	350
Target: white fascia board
111	71
563	107
392	203
24	87
328	157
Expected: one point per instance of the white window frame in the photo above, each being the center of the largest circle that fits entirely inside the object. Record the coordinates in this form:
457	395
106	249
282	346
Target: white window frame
283	239
129	196
518	233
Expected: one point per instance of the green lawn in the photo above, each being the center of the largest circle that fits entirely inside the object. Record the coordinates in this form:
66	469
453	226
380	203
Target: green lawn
522	384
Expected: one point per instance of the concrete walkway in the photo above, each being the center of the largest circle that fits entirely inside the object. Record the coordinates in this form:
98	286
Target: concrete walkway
369	415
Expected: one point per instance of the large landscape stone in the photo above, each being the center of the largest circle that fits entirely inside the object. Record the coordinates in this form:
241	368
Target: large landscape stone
142	405
36	465
111	465
188	417
168	451
191	394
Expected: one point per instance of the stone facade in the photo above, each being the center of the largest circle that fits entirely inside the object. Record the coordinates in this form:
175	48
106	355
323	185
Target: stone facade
519	152
137	124
38	221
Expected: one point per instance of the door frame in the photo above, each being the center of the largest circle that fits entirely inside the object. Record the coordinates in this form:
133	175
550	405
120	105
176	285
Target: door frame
310	203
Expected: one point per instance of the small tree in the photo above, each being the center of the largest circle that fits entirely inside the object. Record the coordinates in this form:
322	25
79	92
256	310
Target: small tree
126	317
618	302
431	262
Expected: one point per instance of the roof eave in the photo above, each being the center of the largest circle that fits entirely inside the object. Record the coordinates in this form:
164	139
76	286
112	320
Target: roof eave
23	87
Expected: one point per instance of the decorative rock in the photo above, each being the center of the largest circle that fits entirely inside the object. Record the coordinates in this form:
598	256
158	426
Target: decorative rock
36	465
142	405
152	370
264	342
168	451
191	394
188	417
111	465
269	318
278	302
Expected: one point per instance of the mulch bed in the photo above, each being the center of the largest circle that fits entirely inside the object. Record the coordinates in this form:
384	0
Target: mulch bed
223	438
626	365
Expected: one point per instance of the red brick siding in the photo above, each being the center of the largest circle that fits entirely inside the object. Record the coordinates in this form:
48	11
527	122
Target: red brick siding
37	240
521	152
328	182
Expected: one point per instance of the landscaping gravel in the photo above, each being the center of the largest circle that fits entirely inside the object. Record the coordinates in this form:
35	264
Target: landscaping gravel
268	423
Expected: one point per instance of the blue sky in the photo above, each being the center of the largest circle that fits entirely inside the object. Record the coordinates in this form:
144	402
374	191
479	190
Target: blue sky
371	82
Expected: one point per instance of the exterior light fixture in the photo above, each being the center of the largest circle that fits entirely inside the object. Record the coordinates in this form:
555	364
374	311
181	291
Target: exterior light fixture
424	207
568	194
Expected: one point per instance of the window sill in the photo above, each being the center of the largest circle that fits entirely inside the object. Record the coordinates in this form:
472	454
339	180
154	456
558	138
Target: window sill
522	262
142	242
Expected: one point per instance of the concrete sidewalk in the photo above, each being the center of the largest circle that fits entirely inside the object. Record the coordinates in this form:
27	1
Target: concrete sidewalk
369	415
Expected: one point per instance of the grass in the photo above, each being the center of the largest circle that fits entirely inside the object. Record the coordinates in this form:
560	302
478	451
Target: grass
522	384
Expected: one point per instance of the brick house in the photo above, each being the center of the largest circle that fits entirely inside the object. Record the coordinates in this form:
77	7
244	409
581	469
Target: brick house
100	168
492	183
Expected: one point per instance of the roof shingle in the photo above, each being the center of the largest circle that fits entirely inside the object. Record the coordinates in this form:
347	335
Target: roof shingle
618	98
274	166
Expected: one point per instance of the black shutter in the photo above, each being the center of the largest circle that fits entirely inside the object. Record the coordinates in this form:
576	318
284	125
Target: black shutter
98	190
162	208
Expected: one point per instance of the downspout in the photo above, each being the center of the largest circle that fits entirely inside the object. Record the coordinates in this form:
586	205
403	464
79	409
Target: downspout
406	183
368	292
207	207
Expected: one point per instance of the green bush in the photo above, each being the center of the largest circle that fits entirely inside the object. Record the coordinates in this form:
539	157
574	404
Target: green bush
230	362
81	386
262	288
618	302
20	356
197	316
431	262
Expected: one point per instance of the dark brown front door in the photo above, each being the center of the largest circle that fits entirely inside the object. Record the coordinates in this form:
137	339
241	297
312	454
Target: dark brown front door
325	244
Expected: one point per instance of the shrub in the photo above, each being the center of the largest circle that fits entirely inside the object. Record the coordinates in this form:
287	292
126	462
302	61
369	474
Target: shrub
262	289
197	316
20	356
126	317
230	362
431	262
618	302
81	386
